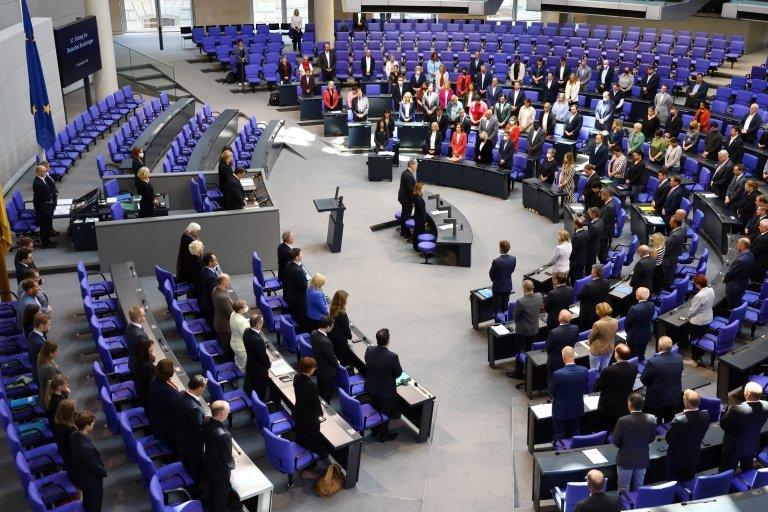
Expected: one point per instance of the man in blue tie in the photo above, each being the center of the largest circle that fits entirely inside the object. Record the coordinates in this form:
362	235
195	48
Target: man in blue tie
567	388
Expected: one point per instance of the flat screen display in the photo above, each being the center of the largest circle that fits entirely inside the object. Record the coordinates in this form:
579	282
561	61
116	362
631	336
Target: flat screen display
77	50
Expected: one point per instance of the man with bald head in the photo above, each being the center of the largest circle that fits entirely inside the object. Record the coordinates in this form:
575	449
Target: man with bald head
615	383
684	438
598	500
749	124
44	197
567	388
742	425
564	335
639	323
662	378
642	274
759	250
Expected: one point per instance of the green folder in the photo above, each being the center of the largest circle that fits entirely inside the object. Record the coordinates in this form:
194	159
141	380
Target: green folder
402	379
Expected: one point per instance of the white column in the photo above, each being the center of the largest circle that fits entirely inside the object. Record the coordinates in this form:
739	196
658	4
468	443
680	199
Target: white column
324	20
105	81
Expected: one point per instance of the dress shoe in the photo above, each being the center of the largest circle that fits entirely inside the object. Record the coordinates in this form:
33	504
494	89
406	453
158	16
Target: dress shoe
513	375
389	436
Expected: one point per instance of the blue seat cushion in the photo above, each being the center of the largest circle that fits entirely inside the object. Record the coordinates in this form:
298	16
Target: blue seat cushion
427	246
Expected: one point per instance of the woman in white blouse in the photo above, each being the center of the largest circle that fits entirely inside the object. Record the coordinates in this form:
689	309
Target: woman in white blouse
297	25
391	65
238	323
407	108
572	89
561	256
700	313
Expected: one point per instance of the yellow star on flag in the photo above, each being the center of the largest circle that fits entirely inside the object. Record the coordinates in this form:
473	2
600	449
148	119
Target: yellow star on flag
47	109
34	109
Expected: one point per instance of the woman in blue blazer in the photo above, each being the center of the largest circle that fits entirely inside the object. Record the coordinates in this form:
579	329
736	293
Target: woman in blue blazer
317	304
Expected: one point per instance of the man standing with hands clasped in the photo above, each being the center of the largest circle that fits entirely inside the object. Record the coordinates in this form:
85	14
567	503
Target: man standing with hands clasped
405	195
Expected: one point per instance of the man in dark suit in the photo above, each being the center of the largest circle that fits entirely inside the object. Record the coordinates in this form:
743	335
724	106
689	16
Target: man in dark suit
579	250
752	229
368	65
218	459
257	361
134	331
322	350
735	191
559	297
526	318
598	500
562	73
547	120
87	470
615	383
662	377
44	197
759	250
722	175
36	338
608	215
493	93
674	245
595	231
564	335
639	323
604	76
592	187
673	199
536	142
222	310
190	413
405	195
234	194
475	63
642	273
567	388
482	80
684	438
551	89
516	99
382	370
284	253
208	276
742	425
660	196
696	92
739	273
649	84
506	151
295	289
598	155
674	123
398	91
573	123
501	277
327	62
162	404
593	293
632	435
734	145
749	124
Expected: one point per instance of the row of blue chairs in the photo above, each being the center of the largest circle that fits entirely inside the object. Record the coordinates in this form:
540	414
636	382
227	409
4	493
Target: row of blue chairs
121	143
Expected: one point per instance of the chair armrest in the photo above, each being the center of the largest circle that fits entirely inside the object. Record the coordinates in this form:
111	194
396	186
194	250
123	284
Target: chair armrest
273	423
628	498
180	492
298	456
270	271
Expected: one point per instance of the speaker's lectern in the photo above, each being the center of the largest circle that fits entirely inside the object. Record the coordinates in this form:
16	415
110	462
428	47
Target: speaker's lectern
334	205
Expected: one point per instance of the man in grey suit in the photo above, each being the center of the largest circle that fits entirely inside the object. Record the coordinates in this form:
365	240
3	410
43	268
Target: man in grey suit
674	246
526	317
632	435
663	102
490	125
222	309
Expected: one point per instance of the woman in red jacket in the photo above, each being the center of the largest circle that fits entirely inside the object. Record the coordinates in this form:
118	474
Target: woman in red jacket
458	144
702	116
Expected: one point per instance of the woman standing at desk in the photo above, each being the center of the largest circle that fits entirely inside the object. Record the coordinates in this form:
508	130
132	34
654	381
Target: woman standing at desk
463	83
657	251
572	87
650	123
285	70
407	109
307	412
692	137
192	266
635	170
548	168
658	146
469	94
700	313
137	159
601	337
317	304
142	366
381	137
566	176
419	215
433	66
702	115
477	110
225	169
389	122
513	129
147	192
561	256
747	207
341	334
458	143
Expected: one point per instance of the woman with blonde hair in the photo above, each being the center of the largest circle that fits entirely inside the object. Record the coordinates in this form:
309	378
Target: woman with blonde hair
238	323
572	87
317	303
407	108
47	368
567	172
561	256
657	251
602	336
341	334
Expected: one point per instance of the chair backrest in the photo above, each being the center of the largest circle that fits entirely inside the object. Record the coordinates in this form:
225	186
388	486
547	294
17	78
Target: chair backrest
668	302
156	495
580	284
738	313
35	500
146	466
655	495
259	411
258	268
592	375
288	332
111	188
351	410
761	478
278	452
214	388
110	412
129	440
712	405
574	493
116	212
100	376
726	337
708	486
584	441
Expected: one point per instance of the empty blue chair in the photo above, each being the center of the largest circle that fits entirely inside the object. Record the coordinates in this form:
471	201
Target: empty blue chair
225	371
41	459
352	385
270	284
37	504
136	416
119	392
566	499
158	499
713	406
237	399
582	441
750	479
359	415
647	496
52	488
95	289
704	486
278	422
286	456
154	448
171	476
737	314
755	317
274	301
290	339
719	344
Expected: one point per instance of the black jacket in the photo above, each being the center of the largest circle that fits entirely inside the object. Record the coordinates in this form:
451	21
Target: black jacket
615	383
599	158
147	203
133	334
742	425
639	323
642	274
592	198
207	283
183	259
44	194
759	250
548	169
674	246
735	149
660	196
674	125
608	215
579	248
651	83
295	285
35	343
632	435
721	178
257	363
142	375
506	153
595	230
600	502
307	413
62	435
322	350
485	155
558	338
225	170
405	192
234	195
573	126
737	278
662	377
161	410
218	451
593	293
189	426
283	257
550	93
635	172
559	298
340	336
684	436
501	273
87	470
382	368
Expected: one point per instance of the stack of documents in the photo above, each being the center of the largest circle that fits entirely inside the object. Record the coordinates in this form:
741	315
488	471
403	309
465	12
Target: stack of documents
594	456
500	330
280	367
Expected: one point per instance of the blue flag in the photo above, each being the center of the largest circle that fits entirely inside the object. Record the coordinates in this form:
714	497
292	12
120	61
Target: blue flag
38	95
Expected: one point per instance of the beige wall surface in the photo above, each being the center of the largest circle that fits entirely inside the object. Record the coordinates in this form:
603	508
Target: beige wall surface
221	12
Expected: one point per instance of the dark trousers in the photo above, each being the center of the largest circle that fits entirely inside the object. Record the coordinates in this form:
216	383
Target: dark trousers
405	213
602	255
680	473
255	383
386	406
734	300
326	386
638	350
192	458
565	428
729	461
609	421
695	332
669	275
575	273
327	75
224	338
664	414
44	218
501	301
218	494
299	314
92	498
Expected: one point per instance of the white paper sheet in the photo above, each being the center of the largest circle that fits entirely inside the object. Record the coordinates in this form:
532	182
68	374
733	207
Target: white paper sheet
280	367
594	456
500	330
